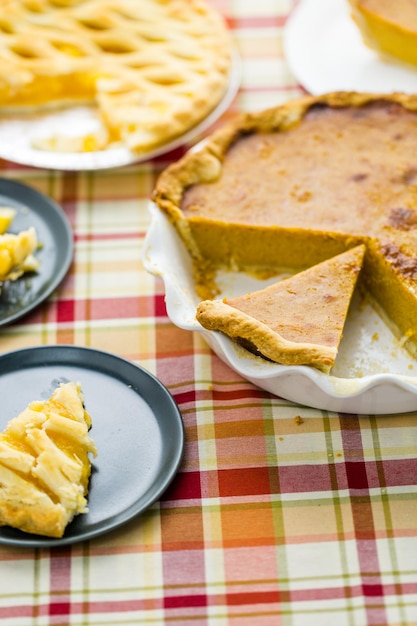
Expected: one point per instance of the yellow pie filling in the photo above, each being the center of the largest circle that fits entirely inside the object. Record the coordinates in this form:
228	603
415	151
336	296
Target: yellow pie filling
45	465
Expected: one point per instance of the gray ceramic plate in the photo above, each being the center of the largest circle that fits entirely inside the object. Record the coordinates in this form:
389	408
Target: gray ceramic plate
55	235
137	428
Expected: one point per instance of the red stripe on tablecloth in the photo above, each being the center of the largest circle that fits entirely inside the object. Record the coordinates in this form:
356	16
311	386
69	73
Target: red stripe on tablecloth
132	234
200	599
186	486
187	397
59	608
60	581
221	395
109	308
67	310
217	395
356	474
160	305
18	611
242	482
362	514
175	602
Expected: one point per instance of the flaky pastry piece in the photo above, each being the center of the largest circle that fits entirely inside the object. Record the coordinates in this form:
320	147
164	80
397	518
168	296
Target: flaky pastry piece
153	68
45	465
17	254
16	250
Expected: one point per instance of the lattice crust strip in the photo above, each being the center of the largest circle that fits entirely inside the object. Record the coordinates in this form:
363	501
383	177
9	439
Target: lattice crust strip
154	68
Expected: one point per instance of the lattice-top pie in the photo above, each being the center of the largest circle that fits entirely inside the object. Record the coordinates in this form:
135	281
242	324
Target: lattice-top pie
154	68
44	464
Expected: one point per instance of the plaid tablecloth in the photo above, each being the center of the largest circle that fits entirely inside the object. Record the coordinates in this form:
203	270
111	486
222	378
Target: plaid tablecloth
271	519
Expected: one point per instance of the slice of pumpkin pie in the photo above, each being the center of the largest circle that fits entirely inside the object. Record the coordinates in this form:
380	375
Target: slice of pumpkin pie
296	321
45	465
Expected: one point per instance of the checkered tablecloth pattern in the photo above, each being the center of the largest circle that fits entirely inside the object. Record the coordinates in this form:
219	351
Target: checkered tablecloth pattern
279	514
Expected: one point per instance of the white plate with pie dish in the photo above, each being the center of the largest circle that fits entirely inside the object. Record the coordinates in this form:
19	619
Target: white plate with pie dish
136	426
373	373
325	51
18	134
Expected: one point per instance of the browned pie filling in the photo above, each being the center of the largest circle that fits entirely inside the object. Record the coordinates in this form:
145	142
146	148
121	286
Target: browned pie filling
300	183
350	170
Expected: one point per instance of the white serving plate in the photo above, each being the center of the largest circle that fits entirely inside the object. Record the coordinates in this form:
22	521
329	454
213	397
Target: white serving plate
325	51
17	135
373	374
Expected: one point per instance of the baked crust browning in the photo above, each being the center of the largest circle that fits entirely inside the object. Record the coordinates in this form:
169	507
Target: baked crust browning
260	339
297	321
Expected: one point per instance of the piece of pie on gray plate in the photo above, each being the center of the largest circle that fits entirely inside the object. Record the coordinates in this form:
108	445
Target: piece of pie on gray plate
45	465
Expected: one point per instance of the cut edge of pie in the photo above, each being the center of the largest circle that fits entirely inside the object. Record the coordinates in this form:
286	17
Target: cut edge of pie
225	244
45	465
272	322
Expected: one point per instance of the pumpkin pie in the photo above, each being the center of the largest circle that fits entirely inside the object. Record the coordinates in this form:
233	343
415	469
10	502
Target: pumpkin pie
389	28
300	183
44	464
152	68
272	322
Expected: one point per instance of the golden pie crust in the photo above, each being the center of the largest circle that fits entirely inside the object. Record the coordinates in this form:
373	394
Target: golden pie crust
272	322
154	68
297	184
44	464
389	28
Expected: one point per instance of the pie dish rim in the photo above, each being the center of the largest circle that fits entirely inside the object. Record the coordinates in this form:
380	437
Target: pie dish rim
165	256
